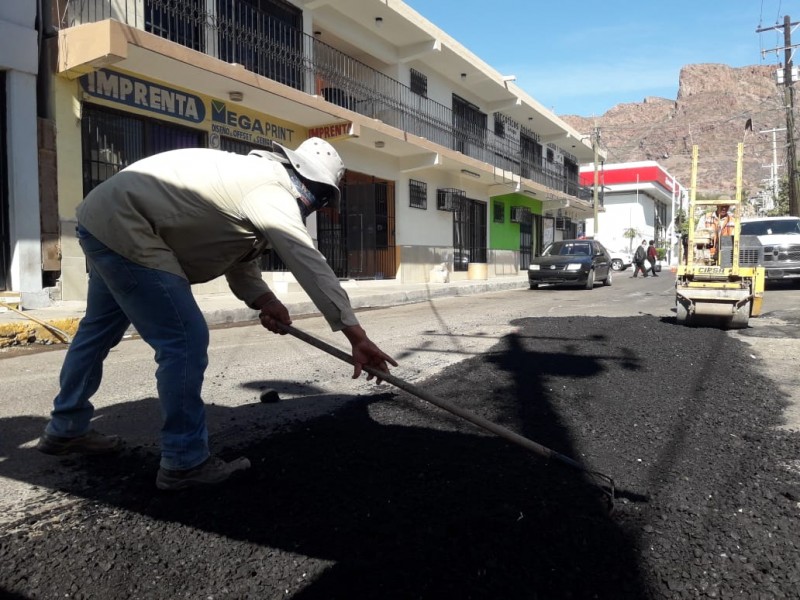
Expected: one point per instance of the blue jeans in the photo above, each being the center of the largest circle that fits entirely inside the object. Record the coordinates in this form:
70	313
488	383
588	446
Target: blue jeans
163	310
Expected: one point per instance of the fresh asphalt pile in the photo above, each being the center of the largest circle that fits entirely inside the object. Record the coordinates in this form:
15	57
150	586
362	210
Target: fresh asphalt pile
392	498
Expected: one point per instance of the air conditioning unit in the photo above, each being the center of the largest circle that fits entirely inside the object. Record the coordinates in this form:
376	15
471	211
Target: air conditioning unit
450	199
520	214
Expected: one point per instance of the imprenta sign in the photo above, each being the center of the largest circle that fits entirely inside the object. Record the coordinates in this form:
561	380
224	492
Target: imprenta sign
144	95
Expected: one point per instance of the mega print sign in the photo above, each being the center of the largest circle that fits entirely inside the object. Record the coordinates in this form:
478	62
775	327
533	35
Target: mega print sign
236	122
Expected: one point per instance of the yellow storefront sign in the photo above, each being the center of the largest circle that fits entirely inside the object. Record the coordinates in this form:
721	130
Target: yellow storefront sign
148	97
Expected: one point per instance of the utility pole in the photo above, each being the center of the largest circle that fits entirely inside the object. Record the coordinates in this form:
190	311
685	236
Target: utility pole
794	188
788	94
773	168
596	195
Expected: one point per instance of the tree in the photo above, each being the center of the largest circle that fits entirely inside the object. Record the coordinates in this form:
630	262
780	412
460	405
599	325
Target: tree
781	207
631	233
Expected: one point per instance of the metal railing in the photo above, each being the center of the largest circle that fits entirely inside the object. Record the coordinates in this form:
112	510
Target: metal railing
236	32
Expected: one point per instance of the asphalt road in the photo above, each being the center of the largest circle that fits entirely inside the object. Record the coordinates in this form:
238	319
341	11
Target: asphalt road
424	338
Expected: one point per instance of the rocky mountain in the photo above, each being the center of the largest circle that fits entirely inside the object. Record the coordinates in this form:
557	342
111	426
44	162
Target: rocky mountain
714	105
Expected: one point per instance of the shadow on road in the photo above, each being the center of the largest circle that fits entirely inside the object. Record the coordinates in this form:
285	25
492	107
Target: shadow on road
341	506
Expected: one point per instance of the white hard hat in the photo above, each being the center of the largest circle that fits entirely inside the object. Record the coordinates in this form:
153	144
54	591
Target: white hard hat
317	160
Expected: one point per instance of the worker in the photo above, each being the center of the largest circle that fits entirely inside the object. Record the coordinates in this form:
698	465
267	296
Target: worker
183	217
720	222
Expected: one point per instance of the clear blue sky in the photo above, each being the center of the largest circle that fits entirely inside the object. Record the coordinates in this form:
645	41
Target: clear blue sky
585	57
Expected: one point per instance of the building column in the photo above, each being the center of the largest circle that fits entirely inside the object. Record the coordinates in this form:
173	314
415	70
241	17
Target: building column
23	190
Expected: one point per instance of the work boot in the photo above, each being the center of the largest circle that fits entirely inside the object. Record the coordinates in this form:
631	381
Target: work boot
211	472
89	443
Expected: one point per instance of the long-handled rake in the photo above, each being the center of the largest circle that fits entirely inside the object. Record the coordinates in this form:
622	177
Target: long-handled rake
603	482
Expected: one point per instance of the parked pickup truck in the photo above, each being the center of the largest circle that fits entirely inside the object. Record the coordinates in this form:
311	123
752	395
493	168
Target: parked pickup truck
780	240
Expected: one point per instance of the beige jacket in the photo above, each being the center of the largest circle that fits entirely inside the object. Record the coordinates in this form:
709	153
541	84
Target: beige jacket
201	213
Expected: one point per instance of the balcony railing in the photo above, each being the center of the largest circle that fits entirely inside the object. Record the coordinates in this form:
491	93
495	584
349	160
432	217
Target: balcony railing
236	32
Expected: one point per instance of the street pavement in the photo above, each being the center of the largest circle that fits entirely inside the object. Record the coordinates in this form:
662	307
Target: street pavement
224	308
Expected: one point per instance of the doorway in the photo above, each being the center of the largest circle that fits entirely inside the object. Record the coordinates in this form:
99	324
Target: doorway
359	241
469	233
525	241
530	239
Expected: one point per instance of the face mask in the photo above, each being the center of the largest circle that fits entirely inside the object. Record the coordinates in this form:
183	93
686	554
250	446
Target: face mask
312	197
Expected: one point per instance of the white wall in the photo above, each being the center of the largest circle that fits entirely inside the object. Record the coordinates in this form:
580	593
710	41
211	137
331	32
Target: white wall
413	226
622	212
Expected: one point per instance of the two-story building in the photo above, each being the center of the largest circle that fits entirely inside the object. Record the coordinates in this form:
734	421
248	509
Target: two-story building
448	160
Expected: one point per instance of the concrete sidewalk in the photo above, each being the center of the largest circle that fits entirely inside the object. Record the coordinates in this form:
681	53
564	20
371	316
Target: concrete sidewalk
58	323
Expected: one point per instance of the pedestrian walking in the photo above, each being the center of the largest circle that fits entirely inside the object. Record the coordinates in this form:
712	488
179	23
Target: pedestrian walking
652	258
639	259
183	217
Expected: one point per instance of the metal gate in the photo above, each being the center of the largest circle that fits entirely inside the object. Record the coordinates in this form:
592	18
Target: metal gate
359	241
112	140
525	242
530	240
469	233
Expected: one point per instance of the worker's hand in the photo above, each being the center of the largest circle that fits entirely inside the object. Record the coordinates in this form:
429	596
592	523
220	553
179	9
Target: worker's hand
367	354
274	313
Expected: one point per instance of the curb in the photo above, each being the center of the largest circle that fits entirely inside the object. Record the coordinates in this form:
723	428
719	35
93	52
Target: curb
226	310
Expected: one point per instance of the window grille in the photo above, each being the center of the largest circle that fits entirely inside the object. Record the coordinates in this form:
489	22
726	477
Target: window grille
520	214
418	194
112	140
499	209
180	23
469	233
419	83
265	36
499	126
563	223
450	199
469	126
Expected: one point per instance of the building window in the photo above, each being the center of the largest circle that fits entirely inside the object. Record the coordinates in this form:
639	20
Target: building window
551	156
265	36
531	151
419	83
571	170
499	212
418	194
113	140
181	25
469	127
499	126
